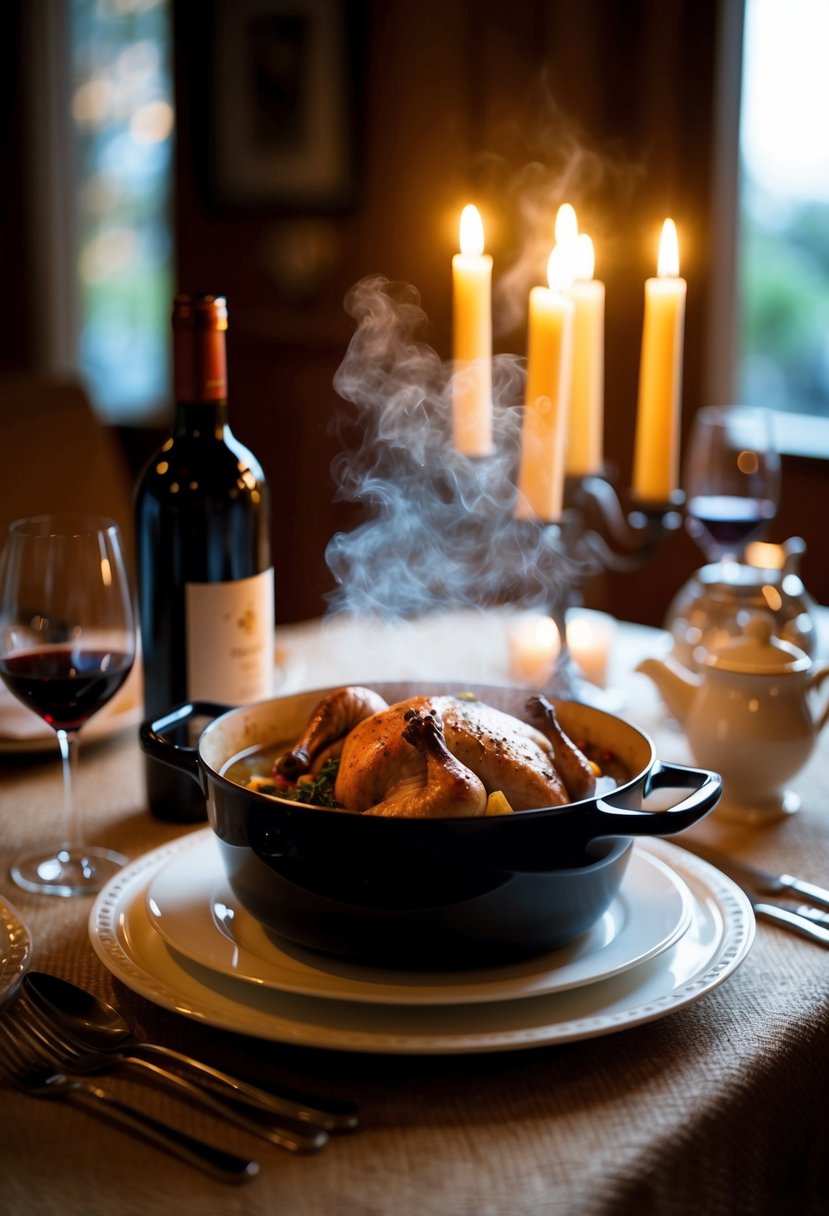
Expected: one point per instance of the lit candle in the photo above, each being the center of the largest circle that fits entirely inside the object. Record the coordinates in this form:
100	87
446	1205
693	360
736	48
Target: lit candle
590	640
549	363
534	644
472	339
656	459
585	422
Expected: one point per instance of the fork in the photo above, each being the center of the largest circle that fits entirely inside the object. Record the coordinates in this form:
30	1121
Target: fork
33	1073
62	1052
332	1114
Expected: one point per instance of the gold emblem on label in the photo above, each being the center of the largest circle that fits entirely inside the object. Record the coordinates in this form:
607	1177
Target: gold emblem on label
247	621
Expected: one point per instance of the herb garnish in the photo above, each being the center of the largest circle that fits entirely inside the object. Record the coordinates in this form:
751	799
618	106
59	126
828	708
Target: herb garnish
319	791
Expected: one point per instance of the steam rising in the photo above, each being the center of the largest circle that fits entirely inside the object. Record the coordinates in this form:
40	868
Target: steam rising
438	530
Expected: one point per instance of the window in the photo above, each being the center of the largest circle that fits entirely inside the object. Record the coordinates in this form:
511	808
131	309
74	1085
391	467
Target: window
783	256
122	129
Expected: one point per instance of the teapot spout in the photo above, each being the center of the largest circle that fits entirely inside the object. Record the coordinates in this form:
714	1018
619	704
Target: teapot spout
677	687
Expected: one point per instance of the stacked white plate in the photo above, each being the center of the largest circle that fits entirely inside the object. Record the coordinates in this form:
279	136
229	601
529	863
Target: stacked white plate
170	928
15	950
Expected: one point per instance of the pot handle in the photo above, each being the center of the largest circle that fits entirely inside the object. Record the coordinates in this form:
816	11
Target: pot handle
185	759
707	790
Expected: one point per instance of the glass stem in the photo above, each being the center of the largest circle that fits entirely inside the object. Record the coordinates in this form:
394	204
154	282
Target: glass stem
68	743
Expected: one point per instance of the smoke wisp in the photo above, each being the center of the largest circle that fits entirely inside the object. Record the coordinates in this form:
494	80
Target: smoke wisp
438	528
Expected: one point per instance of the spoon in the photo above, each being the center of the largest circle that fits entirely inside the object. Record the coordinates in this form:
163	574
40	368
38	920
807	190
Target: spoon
25	1067
97	1026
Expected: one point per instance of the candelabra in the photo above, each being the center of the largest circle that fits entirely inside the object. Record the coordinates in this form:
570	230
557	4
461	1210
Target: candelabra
595	533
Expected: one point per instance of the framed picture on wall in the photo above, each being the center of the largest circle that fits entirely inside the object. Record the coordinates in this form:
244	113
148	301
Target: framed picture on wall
283	114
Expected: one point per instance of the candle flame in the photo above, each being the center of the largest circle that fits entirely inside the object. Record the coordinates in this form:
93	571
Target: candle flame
667	266
561	267
472	231
584	257
567	226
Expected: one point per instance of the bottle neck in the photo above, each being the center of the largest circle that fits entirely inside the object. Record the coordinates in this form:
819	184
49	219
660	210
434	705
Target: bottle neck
200	382
200	419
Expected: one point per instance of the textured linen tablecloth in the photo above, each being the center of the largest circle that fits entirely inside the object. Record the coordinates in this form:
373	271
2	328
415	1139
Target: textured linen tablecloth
718	1108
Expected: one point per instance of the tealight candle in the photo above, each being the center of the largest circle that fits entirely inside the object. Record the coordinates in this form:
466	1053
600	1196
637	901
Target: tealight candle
590	640
472	339
534	644
656	459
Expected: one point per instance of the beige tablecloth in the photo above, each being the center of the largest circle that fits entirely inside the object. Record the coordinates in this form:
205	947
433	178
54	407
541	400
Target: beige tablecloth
719	1107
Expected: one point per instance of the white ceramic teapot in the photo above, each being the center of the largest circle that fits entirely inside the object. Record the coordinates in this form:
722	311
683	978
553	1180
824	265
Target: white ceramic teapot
748	714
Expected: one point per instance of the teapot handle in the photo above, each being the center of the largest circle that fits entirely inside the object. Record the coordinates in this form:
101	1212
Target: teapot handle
815	680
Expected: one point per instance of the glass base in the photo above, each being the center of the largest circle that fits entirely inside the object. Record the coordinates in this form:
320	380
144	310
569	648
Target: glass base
69	871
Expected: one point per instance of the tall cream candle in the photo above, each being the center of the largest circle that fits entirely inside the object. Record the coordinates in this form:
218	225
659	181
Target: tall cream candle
585	423
656	457
549	364
472	339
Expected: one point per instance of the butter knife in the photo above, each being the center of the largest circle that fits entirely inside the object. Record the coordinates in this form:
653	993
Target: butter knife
763	882
804	920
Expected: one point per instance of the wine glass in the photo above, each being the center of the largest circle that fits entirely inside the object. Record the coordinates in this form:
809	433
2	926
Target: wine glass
67	643
732	479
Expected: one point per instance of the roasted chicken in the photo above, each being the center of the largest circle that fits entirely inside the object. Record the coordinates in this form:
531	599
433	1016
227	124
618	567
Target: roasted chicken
438	755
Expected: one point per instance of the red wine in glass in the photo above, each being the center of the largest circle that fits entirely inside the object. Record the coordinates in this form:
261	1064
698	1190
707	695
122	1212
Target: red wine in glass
67	644
731	479
729	520
64	685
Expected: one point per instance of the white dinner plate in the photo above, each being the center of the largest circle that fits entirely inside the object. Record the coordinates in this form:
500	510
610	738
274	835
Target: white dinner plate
15	950
718	939
192	906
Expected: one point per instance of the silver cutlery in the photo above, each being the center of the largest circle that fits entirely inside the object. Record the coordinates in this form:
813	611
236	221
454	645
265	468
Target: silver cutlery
34	1074
764	882
798	920
88	1024
292	1135
757	883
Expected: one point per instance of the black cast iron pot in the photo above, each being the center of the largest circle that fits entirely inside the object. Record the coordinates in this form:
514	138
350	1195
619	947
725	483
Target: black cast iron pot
426	892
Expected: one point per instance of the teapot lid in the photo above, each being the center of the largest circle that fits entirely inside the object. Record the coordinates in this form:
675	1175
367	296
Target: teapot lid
758	651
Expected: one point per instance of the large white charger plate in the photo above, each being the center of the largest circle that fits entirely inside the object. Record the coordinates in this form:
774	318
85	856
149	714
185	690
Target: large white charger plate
15	950
191	904
718	939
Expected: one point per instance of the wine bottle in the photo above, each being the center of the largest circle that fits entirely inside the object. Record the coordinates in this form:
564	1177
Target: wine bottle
205	578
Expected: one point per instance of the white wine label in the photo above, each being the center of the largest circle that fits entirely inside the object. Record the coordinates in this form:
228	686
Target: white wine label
230	640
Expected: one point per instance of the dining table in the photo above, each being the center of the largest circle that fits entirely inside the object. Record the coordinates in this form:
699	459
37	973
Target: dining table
709	1096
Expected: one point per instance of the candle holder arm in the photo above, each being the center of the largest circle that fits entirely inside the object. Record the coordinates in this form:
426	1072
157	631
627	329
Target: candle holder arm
621	541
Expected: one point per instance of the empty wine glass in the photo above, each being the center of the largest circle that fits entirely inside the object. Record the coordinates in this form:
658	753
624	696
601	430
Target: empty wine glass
732	479
67	643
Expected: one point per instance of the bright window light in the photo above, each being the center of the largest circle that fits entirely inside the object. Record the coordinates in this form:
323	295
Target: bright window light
122	120
784	207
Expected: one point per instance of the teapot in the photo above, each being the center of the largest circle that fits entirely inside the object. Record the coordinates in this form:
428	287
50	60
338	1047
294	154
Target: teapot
747	714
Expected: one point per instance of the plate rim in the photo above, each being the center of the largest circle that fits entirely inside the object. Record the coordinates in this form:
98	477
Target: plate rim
15	964
734	936
408	988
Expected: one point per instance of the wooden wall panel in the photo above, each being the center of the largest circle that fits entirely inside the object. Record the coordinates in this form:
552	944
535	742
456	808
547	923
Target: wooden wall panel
614	101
